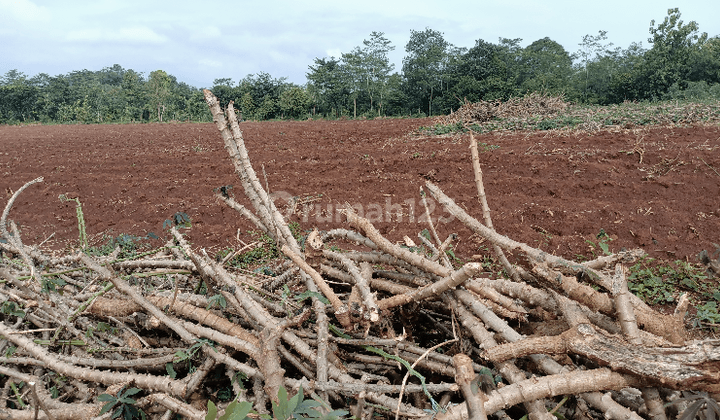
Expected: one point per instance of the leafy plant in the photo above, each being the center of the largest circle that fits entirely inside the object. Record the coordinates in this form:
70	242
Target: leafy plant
603	243
697	401
707	312
299	408
658	282
122	403
484	147
12	308
237	410
216	300
265	251
128	244
179	219
285	408
186	355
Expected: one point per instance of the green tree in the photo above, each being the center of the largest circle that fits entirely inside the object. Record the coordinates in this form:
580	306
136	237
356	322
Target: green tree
592	51
485	72
294	102
369	68
132	91
17	103
624	81
327	86
352	75
158	88
13	77
424	68
674	43
705	62
264	91
224	91
546	67
247	107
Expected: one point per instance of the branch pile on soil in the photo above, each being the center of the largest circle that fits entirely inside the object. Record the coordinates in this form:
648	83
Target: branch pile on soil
389	330
531	105
544	112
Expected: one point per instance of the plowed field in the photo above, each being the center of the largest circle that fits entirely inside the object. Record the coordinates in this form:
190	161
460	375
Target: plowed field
654	188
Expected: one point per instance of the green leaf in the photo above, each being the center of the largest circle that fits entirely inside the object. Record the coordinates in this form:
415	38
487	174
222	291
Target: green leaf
171	370
294	401
308	294
106	397
280	410
212	411
131	391
107	407
237	411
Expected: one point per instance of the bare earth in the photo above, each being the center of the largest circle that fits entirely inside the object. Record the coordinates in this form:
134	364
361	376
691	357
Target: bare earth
657	189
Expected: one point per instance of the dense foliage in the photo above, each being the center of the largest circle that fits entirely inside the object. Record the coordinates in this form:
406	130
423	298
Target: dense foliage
436	78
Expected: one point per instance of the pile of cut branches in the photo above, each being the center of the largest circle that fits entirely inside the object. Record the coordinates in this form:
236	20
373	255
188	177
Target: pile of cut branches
381	329
531	105
540	112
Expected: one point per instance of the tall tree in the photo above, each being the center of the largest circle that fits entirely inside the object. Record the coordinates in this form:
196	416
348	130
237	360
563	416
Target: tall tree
546	67
485	72
374	66
424	67
294	102
592	50
669	59
705	62
134	99
158	86
326	81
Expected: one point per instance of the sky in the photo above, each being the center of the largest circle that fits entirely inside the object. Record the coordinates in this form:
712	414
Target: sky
200	41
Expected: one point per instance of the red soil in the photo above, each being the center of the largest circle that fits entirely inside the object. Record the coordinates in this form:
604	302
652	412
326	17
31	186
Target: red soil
657	189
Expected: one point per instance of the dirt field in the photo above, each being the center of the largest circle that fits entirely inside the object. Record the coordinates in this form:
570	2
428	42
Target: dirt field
656	188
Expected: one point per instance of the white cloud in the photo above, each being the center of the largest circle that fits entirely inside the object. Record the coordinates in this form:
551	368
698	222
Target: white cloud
206	32
23	10
206	62
134	35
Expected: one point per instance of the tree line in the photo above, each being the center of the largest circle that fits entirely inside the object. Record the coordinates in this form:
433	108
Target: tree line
436	78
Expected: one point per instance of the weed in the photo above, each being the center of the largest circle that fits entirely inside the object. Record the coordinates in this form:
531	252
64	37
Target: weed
286	408
178	219
661	282
590	117
707	313
264	252
440	129
603	240
125	405
128	244
186	356
237	410
695	402
12	308
484	147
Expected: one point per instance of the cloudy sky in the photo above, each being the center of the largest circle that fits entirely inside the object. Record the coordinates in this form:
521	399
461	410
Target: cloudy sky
199	41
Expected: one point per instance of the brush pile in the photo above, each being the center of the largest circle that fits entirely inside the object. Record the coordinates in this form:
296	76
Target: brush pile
522	108
374	329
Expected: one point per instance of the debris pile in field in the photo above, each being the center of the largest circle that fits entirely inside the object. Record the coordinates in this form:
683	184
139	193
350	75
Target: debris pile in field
531	105
375	329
